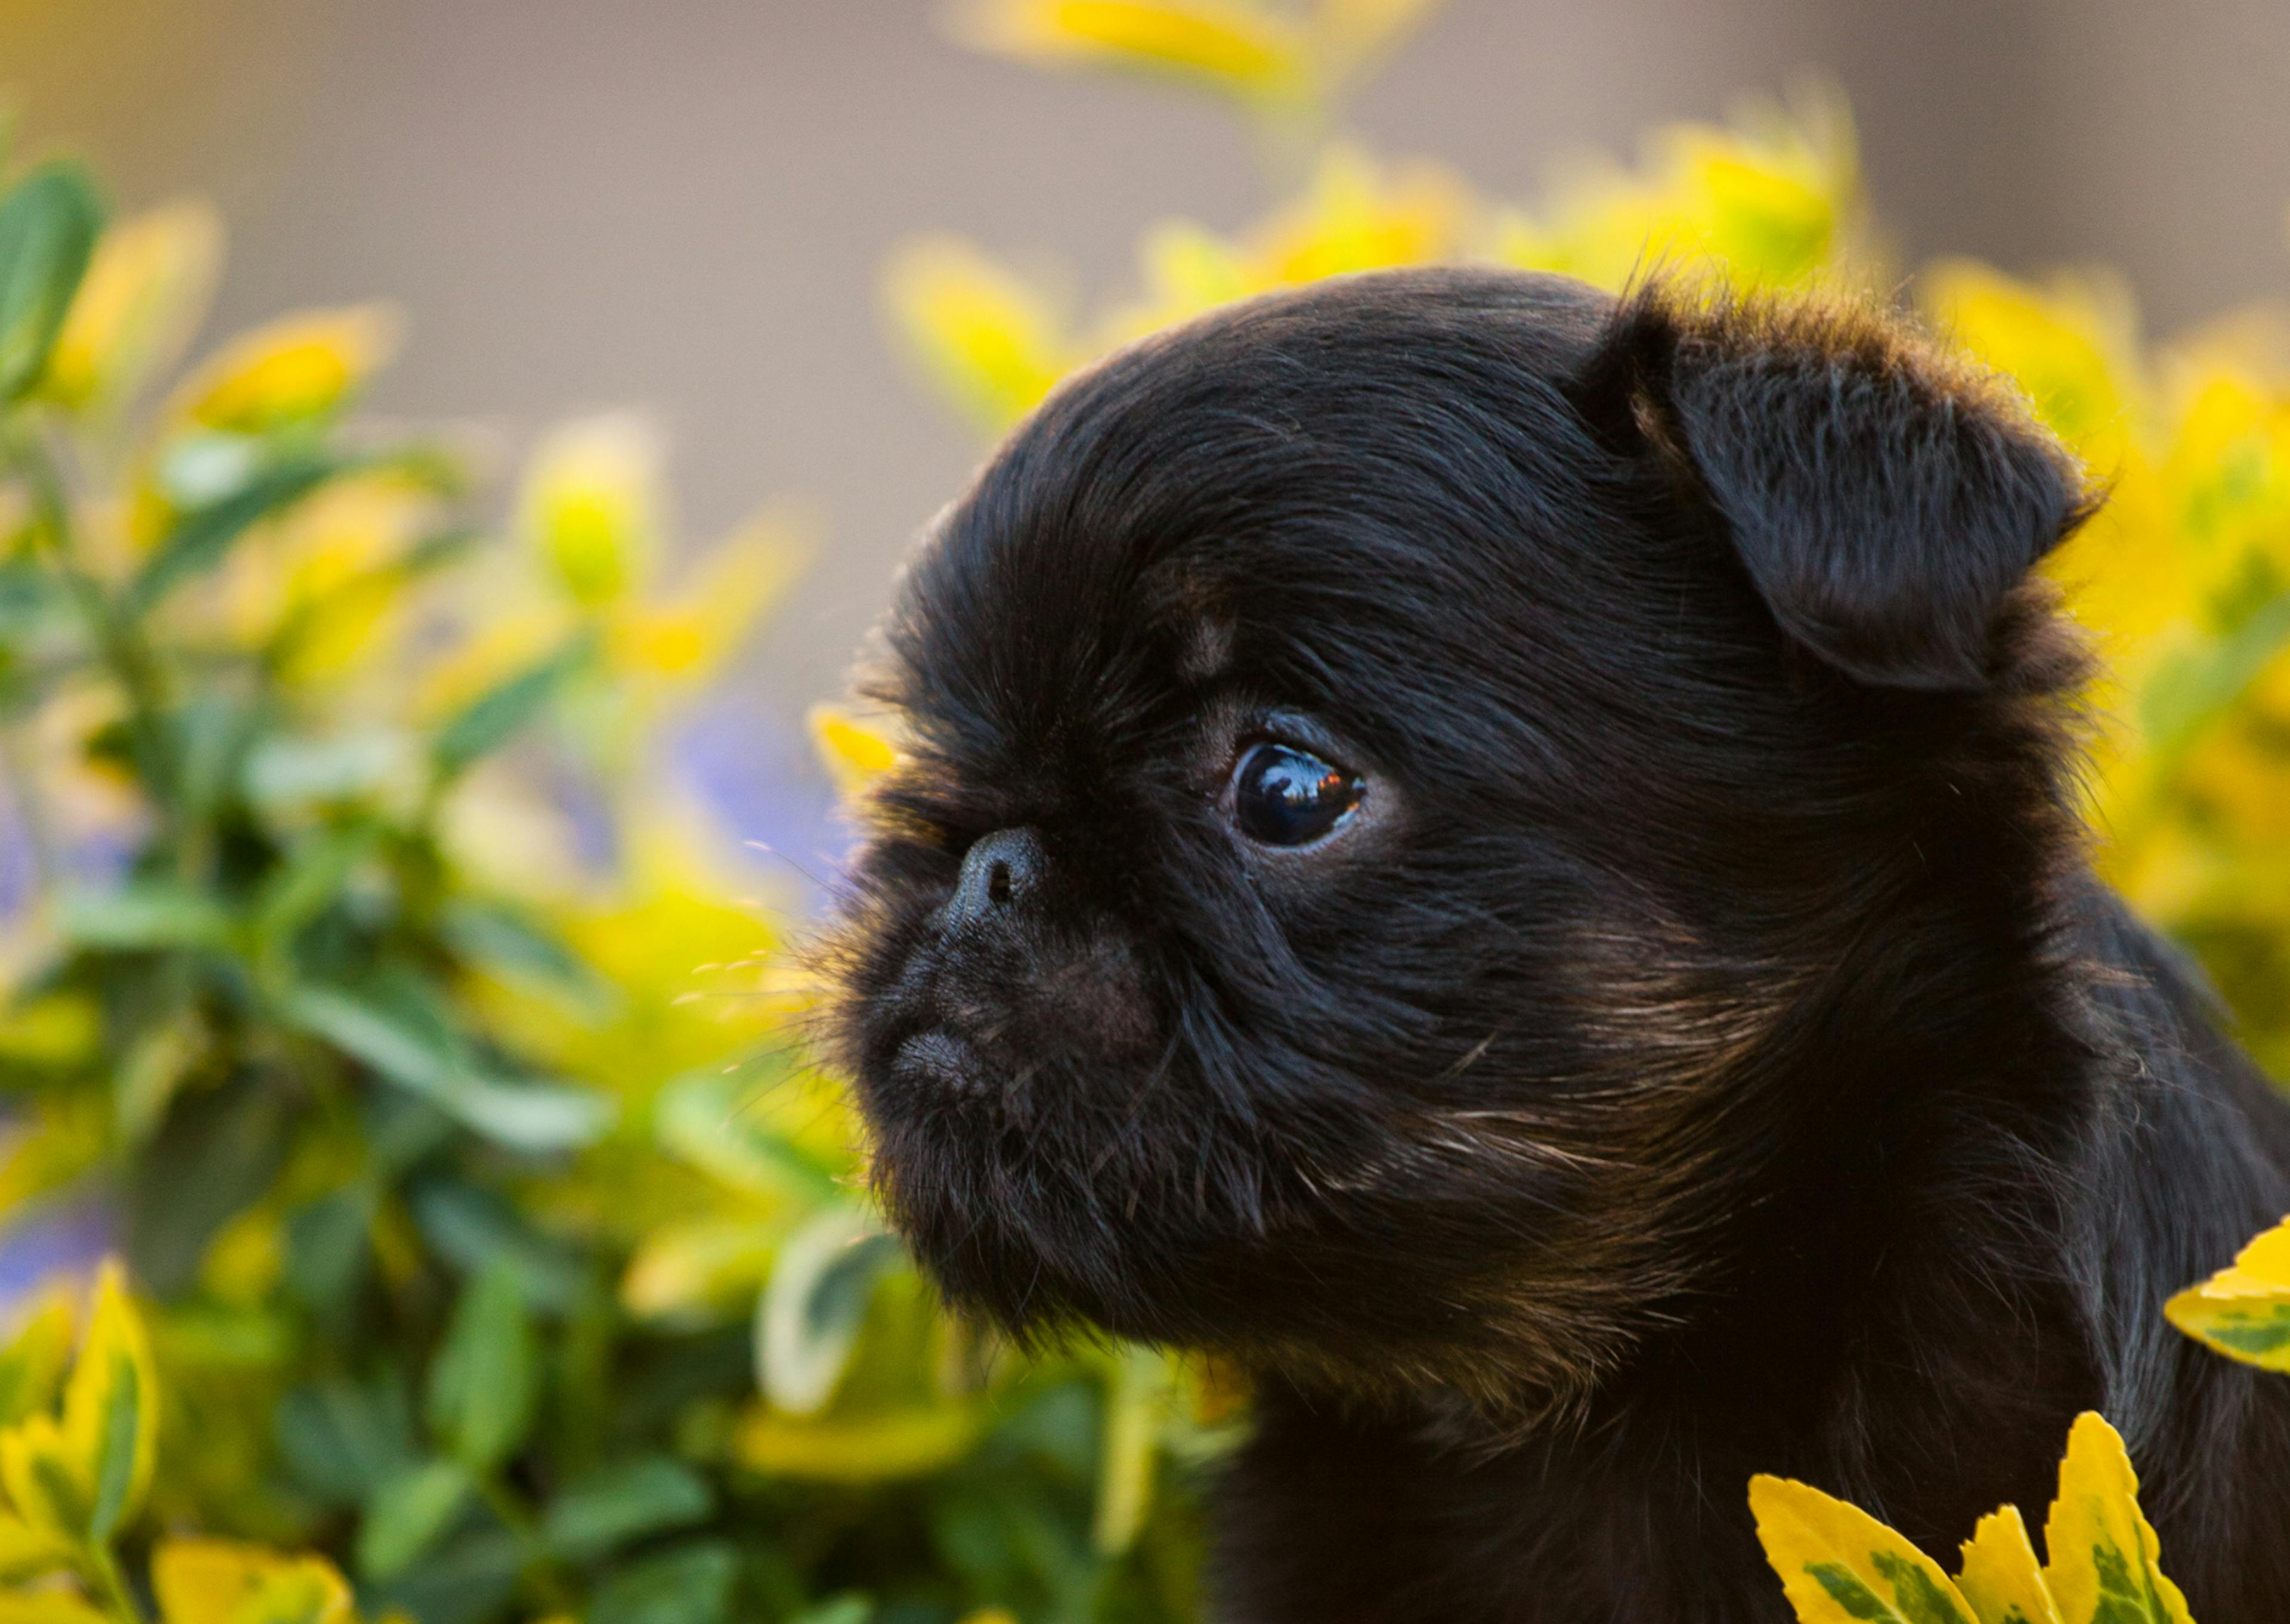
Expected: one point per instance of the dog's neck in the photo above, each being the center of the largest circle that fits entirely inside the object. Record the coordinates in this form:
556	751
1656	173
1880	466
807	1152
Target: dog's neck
1977	1262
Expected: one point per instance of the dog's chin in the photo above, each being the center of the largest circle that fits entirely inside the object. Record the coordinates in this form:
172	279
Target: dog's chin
1055	1225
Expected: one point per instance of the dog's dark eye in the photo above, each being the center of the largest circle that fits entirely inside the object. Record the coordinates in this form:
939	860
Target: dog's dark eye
1284	796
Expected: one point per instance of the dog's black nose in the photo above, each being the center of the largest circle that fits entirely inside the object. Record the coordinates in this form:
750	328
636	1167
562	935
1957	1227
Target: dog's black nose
998	873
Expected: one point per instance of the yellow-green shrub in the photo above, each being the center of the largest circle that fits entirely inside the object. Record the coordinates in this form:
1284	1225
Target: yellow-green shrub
497	1246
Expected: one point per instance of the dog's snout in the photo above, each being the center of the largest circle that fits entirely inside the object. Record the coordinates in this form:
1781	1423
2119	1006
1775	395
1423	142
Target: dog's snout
997	875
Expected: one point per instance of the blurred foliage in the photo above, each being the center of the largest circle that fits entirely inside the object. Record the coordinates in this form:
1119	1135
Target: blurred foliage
499	1252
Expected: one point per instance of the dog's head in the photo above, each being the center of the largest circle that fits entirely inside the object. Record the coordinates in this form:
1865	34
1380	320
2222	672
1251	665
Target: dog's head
1396	770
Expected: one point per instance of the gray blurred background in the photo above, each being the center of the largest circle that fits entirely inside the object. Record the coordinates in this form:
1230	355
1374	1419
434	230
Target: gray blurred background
683	205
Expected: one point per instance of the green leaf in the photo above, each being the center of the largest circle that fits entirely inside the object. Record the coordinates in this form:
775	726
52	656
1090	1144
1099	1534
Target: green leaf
408	1514
504	942
144	915
326	1249
302	887
472	1227
838	1610
213	1155
485	1381
625	1501
537	1117
342	1440
498	715
533	1117
467	1580
699	1117
691	1584
2199	683
1136	1404
204	537
49	222
282	772
814	1304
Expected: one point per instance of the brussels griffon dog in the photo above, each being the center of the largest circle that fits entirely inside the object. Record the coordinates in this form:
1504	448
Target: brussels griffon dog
1508	860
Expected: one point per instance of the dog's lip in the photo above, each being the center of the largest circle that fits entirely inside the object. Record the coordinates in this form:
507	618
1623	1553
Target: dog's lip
938	1056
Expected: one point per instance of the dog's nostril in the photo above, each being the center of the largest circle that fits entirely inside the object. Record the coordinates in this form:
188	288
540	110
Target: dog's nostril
997	873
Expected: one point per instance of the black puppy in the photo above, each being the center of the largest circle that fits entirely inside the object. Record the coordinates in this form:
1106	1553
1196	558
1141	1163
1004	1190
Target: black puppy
1508	860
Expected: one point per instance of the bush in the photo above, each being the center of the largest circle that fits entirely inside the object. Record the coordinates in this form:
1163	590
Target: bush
495	1243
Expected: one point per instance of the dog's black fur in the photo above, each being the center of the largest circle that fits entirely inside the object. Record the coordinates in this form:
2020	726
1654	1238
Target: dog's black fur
1704	1052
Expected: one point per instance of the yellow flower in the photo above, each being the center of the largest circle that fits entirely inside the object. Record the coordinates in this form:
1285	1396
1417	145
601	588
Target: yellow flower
289	372
144	292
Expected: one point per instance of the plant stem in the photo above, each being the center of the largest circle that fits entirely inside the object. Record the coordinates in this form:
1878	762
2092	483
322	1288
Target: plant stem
118	642
539	1565
104	1568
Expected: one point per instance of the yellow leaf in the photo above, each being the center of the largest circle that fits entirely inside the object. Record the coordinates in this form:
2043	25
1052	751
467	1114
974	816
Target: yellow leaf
692	1269
33	1364
853	754
111	1406
1242	50
1838	1565
2072	346
2103	1555
593	506
289	372
145	291
994	344
1357	215
1765	202
509	640
42	1478
1136	1404
2001	1579
220	1581
49	1606
685	639
2243	1311
2267	1258
51	1029
866	1449
26	1551
1352	34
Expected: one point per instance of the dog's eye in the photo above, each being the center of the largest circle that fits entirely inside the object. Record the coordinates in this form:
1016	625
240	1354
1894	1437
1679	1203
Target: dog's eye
1284	796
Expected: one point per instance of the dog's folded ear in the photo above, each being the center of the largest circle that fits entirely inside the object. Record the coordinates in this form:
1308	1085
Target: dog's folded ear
1883	498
